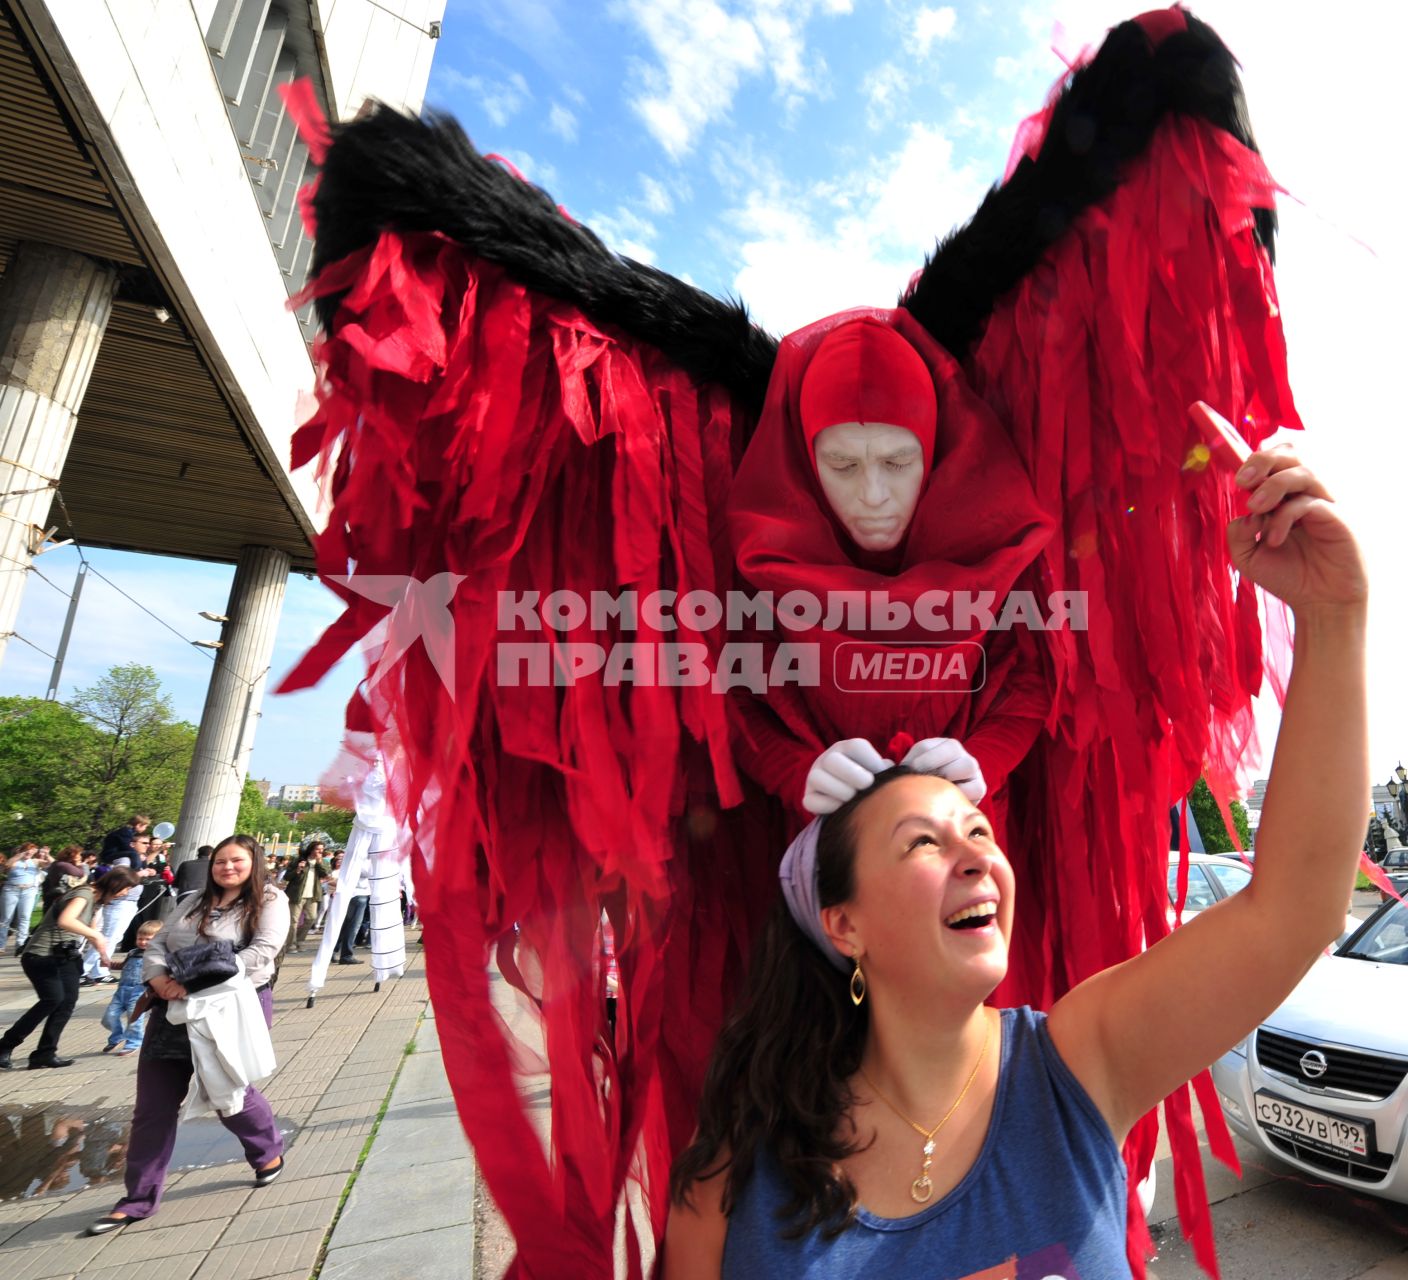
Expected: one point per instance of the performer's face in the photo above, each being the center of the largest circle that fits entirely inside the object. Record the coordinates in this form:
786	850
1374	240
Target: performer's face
925	855
871	474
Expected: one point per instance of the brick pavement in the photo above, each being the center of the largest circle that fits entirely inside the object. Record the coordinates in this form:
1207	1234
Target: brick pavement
63	1133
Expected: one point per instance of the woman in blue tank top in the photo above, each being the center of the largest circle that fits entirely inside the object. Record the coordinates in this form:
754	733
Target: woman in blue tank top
866	1114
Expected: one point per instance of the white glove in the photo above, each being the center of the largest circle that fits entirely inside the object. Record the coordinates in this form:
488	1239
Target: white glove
840	773
947	758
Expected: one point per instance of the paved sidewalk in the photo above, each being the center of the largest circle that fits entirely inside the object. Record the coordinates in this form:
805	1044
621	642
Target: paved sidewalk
411	1212
62	1133
419	1210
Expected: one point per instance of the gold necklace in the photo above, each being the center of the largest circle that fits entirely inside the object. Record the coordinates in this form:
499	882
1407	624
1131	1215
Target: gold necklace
922	1188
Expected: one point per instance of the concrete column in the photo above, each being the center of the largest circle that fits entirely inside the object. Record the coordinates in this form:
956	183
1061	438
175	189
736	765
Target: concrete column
233	701
54	308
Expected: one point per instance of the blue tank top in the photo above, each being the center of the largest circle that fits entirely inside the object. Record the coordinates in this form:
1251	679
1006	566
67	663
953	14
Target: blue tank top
1044	1199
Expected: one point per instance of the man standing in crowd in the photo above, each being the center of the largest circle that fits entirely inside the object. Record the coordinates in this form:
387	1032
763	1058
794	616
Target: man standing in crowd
356	913
194	874
304	886
21	887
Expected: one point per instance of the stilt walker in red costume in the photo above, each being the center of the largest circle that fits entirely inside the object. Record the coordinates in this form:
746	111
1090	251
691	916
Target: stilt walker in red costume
506	401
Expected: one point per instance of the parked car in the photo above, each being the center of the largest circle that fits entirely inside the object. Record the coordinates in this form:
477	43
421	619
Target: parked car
1215	876
1395	866
1320	1085
1211	877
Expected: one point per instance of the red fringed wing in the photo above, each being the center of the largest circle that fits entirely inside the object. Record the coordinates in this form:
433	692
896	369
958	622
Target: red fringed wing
1157	297
475	429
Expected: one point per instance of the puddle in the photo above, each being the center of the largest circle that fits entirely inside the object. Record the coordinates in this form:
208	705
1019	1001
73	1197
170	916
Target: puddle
49	1150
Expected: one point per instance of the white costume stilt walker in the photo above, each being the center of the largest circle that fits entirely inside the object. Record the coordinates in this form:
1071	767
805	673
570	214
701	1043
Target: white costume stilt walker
374	845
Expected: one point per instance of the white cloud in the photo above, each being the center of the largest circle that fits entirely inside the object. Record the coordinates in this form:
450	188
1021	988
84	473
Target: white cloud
931	25
627	232
562	122
500	100
809	250
885	89
1009	70
655	197
703	54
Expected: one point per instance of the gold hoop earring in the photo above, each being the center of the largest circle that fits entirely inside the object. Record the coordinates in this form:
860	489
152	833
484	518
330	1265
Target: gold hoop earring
857	984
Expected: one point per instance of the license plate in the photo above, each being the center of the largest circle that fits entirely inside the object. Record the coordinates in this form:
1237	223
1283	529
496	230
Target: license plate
1314	1128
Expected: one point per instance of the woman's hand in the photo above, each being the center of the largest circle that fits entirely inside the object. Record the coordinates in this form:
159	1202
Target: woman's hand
1293	541
167	987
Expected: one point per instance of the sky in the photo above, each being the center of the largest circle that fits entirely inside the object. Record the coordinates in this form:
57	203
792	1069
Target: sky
804	155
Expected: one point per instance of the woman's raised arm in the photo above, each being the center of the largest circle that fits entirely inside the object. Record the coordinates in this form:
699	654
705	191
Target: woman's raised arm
1135	1032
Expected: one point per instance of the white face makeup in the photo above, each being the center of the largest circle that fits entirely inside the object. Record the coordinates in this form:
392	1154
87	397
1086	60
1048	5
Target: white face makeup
871	474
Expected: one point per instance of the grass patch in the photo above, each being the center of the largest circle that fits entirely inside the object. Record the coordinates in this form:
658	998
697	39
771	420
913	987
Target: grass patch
362	1155
1361	881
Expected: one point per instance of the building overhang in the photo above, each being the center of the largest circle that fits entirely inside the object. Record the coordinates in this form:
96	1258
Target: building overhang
182	439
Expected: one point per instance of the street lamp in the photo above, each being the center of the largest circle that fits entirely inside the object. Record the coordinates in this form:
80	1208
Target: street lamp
1398	792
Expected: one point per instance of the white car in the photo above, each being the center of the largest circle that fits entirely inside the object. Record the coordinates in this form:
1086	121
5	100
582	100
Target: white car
1320	1084
1214	876
1211	877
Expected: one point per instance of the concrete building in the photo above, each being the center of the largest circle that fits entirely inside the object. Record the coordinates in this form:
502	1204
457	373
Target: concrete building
149	242
293	794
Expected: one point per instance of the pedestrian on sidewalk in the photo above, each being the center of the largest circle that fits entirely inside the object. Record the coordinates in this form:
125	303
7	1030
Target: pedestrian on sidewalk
54	884
304	886
21	887
119	1018
240	906
118	913
356	914
51	961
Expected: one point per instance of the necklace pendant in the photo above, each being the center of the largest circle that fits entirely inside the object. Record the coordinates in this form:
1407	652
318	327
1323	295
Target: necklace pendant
921	1189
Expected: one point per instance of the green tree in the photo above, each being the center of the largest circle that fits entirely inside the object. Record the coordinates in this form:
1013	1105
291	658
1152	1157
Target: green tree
1210	824
256	817
77	770
143	754
40	745
334	823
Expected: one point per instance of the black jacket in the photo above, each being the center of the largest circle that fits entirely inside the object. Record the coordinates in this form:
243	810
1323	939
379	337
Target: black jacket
193	875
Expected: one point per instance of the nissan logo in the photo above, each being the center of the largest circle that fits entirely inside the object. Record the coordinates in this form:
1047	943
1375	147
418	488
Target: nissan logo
1313	1064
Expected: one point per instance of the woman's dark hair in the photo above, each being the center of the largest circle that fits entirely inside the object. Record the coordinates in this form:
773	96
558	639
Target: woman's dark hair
778	1076
113	882
251	899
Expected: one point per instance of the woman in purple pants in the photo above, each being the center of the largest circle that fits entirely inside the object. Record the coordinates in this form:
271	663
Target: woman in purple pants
238	904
